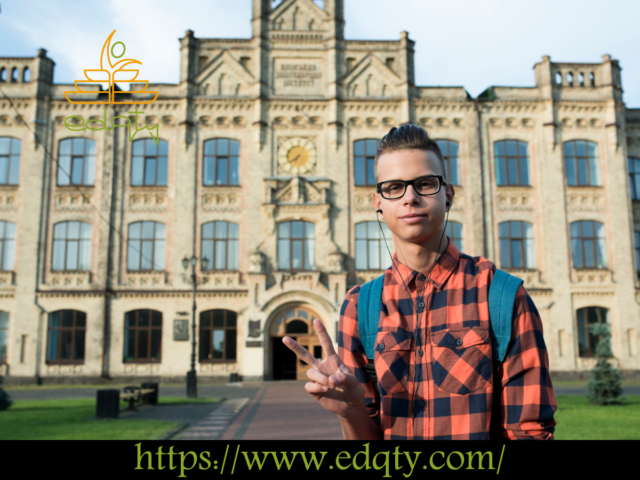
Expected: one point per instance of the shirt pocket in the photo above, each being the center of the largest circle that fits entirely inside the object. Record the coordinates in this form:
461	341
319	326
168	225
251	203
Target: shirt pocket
392	361
461	360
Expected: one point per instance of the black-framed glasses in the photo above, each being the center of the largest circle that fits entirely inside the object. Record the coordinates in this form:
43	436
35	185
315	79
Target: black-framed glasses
426	185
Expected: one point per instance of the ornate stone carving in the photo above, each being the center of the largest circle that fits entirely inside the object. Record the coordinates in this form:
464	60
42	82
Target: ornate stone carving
531	277
364	276
585	200
221	279
73	202
256	262
7	279
514	201
334	263
150	201
71	279
363	198
592	277
221	199
145	279
297	190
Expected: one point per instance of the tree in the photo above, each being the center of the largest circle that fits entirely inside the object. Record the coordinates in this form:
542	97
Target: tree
605	386
5	400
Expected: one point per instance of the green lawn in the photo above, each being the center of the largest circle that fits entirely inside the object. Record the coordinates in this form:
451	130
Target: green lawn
74	420
580	420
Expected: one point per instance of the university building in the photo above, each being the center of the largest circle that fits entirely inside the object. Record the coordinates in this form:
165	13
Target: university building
264	167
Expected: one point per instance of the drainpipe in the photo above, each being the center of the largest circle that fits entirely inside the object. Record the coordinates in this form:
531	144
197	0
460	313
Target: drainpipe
485	245
38	340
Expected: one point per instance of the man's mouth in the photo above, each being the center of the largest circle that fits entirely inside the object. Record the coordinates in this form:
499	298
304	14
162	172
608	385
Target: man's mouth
413	217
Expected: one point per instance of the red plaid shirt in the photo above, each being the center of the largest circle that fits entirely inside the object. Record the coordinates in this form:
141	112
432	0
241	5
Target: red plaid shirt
435	375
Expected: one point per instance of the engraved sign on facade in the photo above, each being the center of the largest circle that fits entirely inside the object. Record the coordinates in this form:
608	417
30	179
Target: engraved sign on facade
254	328
298	76
180	330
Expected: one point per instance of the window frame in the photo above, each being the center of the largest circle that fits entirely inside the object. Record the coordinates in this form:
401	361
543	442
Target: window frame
211	328
215	157
522	239
3	245
66	240
158	156
368	159
505	157
636	236
634	177
228	244
291	241
140	247
447	160
460	238
594	239
590	348
576	163
136	329
60	329
86	157
4	334
13	159
382	251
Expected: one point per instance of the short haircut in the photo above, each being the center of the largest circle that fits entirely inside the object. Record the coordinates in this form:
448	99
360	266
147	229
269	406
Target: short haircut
408	137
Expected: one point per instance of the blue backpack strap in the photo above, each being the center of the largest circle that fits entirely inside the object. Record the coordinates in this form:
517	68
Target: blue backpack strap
369	313
502	296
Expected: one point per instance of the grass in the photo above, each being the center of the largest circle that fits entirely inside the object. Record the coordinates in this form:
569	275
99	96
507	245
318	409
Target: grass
580	420
75	420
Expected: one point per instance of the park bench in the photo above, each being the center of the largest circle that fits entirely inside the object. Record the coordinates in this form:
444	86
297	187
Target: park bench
108	400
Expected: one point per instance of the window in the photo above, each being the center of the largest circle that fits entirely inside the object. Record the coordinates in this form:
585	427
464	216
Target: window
221	162
449	150
581	162
588	244
634	178
586	340
516	245
454	232
364	153
142	336
9	161
636	236
296	246
26	75
146	246
220	245
218	335
76	161
3	74
149	163
14	75
71	246
7	245
371	252
512	162
4	336
66	336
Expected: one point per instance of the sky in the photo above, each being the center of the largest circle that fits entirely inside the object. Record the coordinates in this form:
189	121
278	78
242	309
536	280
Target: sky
469	43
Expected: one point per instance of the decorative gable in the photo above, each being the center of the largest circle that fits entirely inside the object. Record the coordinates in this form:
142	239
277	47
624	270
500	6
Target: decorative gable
224	76
372	78
298	15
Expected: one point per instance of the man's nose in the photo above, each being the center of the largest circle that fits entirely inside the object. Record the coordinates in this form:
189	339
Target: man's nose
411	196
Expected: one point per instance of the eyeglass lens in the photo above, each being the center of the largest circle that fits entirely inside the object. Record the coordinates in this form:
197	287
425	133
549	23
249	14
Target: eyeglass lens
423	186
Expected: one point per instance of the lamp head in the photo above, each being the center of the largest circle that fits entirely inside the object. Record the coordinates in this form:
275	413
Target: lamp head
204	263
185	262
193	260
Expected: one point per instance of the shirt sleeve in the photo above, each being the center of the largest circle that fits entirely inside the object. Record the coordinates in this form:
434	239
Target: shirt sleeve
527	401
352	354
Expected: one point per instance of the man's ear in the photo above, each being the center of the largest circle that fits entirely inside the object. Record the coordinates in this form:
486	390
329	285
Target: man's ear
376	204
450	192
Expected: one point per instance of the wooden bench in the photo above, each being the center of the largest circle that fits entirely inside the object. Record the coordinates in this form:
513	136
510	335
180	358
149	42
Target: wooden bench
108	400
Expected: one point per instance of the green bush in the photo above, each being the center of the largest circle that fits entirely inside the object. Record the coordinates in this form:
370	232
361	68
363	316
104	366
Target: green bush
605	385
5	400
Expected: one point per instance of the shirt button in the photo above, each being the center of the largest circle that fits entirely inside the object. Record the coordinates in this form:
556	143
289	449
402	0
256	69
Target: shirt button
422	278
421	304
421	403
382	346
459	342
420	352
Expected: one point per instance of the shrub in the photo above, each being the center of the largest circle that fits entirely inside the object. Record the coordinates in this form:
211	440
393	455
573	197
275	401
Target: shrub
605	385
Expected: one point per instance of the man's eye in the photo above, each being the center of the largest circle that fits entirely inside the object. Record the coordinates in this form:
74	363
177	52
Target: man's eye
394	187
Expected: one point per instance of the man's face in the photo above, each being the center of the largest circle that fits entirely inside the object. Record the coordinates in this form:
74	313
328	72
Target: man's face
413	218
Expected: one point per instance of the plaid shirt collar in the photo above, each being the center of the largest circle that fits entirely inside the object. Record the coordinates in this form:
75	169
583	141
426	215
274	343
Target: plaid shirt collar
441	272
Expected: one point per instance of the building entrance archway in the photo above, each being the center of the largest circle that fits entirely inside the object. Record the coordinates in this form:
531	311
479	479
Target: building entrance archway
295	322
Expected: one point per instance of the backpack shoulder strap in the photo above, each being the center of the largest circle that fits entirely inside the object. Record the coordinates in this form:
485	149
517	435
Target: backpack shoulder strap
369	313
502	296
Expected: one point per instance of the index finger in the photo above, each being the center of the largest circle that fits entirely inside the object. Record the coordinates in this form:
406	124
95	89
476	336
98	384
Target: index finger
325	339
302	353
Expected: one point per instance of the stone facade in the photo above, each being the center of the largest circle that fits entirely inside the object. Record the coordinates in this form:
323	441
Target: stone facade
297	81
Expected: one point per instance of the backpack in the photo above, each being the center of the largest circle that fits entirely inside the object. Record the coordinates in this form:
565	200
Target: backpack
502	295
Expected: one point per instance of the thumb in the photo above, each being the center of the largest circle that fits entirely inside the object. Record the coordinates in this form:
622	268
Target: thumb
348	379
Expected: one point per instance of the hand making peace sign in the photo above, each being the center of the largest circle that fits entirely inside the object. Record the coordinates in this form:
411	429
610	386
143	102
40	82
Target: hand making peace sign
332	383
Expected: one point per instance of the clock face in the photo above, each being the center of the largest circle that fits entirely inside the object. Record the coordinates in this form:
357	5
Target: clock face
296	156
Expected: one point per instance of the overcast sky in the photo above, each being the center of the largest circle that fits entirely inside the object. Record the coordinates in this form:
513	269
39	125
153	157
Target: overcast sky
472	43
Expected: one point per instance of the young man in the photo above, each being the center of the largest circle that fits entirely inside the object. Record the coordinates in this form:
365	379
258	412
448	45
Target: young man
433	354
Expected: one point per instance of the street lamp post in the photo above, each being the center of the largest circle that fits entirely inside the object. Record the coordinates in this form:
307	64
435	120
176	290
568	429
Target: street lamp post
192	381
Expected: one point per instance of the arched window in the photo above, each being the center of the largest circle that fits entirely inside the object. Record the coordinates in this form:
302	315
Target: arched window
65	341
7	245
588	247
143	336
581	163
512	162
221	162
71	246
296	246
449	150
371	252
149	163
634	177
220	245
146	249
218	336
26	74
454	232
4	336
3	74
76	161
297	326
586	339
14	75
9	161
516	245
364	153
